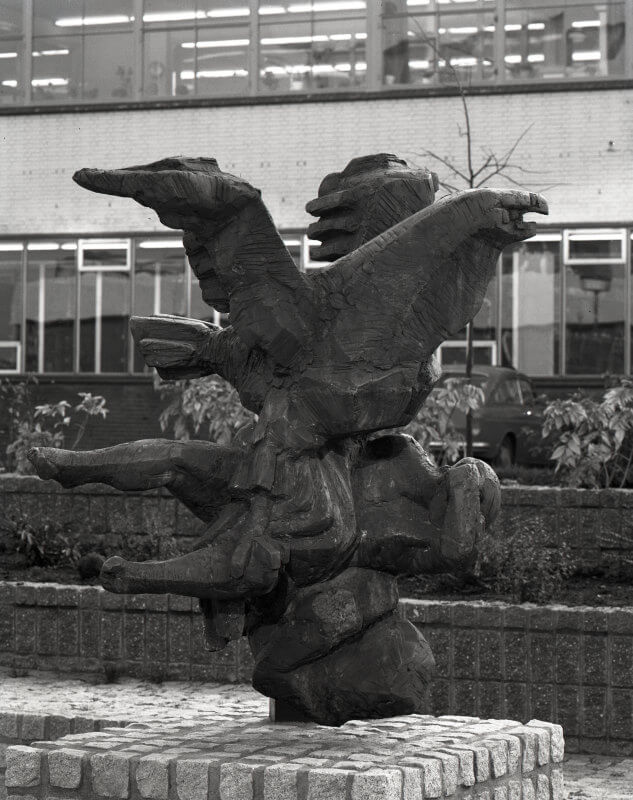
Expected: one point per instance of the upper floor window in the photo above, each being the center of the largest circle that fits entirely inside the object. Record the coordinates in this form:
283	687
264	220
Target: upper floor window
104	51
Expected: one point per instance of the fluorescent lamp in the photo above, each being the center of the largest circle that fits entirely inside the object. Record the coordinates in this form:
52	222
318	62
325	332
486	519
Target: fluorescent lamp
335	5
78	22
512	27
188	75
586	23
42	246
463	62
49	82
536	26
216	43
11	247
272	10
536	58
417	2
464	30
10	84
69	246
8	55
586	55
62	52
229	12
513	59
173	16
294	39
421	64
292	242
360	36
160	244
340	37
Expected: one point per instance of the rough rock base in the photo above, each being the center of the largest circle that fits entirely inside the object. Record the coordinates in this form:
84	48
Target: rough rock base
399	758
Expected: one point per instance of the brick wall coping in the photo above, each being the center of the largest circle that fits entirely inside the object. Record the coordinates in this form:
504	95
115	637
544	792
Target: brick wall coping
239	757
511	495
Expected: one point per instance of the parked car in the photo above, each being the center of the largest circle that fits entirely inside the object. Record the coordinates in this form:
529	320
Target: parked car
507	427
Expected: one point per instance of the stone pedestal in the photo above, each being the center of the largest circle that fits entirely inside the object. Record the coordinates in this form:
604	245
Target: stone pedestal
399	758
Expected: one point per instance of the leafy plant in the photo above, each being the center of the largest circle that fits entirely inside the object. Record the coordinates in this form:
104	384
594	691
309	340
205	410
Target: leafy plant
435	422
44	425
208	404
48	546
523	565
591	440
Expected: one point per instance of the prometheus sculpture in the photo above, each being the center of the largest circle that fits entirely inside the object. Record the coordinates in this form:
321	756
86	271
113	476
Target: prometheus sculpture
310	512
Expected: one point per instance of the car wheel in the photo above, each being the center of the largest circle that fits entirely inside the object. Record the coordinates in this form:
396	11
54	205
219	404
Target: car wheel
506	457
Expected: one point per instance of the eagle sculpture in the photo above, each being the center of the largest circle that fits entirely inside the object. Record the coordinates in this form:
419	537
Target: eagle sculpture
312	511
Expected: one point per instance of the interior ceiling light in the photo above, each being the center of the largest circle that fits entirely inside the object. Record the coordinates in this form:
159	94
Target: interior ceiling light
464	30
536	58
536	26
74	22
173	16
8	55
63	52
10	247
42	246
513	59
586	55
586	23
160	244
512	27
216	43
294	39
229	12
421	64
69	246
49	82
335	5
272	10
10	84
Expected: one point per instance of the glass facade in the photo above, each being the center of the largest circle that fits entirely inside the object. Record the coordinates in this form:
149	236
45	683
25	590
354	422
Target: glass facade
561	302
104	51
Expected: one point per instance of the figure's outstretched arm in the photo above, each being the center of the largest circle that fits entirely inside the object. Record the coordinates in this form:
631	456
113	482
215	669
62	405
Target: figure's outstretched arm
197	473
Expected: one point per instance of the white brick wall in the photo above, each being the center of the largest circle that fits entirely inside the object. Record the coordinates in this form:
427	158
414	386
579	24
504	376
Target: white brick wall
286	149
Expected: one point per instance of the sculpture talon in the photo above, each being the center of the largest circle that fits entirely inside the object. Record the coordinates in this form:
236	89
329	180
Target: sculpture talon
309	518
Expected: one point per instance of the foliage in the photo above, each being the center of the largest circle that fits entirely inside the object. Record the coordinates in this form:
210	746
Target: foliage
208	404
592	440
523	565
435	422
48	546
28	425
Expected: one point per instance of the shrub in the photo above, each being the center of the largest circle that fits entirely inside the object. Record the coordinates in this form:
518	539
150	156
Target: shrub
47	546
435	421
28	425
523	565
591	440
208	404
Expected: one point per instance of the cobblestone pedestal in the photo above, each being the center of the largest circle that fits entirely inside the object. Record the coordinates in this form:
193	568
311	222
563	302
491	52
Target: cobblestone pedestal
400	758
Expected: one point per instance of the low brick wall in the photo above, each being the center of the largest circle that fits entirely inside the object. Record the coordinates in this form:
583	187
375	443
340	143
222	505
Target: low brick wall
598	525
572	666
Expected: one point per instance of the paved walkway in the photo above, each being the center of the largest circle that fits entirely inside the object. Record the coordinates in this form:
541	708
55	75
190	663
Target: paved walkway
586	777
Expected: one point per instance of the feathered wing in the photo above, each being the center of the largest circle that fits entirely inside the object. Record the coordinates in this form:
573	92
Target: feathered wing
402	294
233	246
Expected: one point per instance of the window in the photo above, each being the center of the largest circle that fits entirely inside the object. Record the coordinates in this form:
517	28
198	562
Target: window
82	50
312	46
51	297
527	395
438	45
454	352
160	282
556	40
11	255
530	303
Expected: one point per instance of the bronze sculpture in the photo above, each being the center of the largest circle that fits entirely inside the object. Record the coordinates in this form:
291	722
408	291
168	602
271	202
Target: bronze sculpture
311	512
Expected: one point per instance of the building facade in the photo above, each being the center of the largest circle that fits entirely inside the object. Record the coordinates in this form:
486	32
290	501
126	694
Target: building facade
282	93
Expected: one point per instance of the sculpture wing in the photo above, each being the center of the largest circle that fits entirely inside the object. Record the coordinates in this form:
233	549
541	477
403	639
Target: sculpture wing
233	246
402	294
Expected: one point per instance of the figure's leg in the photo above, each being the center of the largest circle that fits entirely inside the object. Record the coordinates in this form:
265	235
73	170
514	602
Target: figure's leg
213	572
197	473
